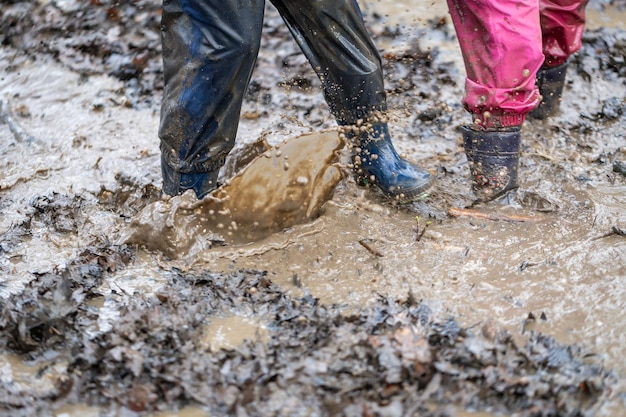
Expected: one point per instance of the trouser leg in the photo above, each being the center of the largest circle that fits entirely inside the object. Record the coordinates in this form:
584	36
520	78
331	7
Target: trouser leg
209	51
501	45
562	26
332	35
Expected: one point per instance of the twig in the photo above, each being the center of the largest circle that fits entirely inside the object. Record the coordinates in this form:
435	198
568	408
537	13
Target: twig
514	218
542	155
6	116
370	248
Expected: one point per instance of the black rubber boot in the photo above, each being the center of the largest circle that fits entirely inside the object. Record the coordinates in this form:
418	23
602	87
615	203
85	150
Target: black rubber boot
377	162
493	158
550	82
176	182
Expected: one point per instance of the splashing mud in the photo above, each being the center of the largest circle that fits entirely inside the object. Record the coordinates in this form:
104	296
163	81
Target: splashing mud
438	307
284	186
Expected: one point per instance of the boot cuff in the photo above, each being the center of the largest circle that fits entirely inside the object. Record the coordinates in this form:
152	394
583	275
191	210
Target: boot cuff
502	142
488	120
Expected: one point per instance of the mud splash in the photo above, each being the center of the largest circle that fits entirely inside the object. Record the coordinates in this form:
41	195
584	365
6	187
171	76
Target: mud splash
284	186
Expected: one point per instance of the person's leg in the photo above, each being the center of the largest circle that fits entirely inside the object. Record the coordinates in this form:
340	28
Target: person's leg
332	35
501	45
209	51
562	27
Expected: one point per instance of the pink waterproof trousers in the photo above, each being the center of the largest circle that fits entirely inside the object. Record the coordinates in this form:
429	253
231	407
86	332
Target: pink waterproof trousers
504	43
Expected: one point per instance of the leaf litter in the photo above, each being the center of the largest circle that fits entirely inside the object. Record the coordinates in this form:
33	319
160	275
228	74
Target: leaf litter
395	358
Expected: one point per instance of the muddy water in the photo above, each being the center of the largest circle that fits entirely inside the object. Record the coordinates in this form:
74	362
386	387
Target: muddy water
283	186
476	269
563	267
72	411
229	332
411	15
611	18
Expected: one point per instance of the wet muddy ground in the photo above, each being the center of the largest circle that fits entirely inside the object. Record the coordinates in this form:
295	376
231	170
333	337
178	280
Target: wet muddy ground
373	308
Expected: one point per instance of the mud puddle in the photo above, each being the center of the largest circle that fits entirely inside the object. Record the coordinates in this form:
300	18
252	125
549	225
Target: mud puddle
372	308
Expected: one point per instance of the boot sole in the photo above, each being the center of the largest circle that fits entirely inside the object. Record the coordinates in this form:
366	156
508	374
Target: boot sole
406	196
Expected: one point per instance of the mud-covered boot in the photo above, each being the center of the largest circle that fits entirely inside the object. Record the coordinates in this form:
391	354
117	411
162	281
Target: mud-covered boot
550	82
377	162
176	182
493	157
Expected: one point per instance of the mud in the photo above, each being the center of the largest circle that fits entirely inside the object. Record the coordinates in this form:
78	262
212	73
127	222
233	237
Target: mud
393	358
280	187
435	308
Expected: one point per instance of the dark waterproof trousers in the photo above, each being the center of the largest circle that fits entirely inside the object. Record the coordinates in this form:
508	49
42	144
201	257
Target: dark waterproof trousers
209	51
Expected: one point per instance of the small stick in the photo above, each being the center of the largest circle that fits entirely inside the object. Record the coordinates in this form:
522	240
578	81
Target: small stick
514	218
371	249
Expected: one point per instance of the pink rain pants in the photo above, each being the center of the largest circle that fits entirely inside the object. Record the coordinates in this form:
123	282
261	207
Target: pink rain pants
504	43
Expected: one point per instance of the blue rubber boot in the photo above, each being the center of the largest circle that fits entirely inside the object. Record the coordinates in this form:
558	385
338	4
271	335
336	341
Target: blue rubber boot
377	162
176	182
550	82
493	157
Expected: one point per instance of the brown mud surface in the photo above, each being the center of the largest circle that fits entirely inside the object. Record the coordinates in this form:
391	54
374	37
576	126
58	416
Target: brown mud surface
371	308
